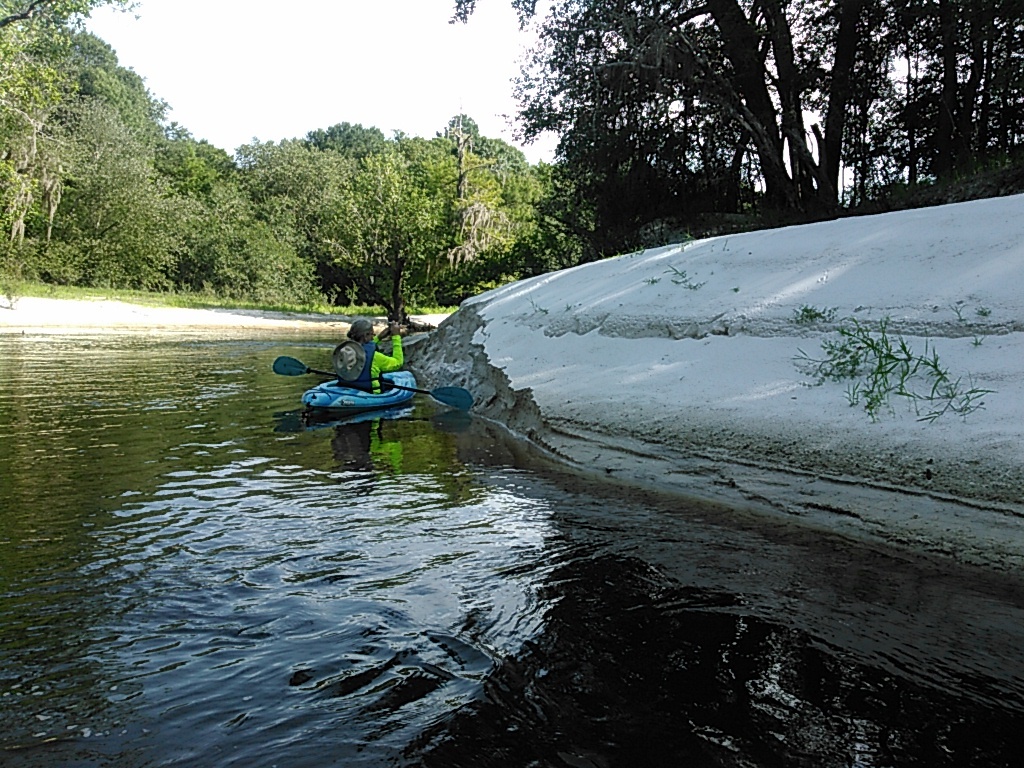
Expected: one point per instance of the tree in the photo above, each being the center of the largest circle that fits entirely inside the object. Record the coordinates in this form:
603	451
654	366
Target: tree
300	192
350	140
478	221
464	9
622	72
393	233
795	97
228	251
55	12
193	168
535	238
97	74
29	85
34	41
118	224
960	97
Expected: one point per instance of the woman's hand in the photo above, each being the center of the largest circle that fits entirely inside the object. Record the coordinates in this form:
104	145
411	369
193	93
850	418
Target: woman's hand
394	329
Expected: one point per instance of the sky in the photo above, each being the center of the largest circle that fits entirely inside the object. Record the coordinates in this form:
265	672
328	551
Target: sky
235	70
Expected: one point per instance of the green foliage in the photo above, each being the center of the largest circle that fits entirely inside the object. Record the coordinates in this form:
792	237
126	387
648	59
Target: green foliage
118	224
808	315
11	273
394	228
193	169
49	12
35	42
29	85
98	76
302	194
228	252
96	190
880	366
347	139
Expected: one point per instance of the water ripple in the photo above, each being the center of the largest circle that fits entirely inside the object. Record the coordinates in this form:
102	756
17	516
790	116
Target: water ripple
183	581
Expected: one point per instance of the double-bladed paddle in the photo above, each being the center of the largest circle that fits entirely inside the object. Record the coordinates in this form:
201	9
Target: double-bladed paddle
456	397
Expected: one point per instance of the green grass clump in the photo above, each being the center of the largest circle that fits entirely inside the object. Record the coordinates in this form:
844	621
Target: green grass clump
679	277
880	366
808	315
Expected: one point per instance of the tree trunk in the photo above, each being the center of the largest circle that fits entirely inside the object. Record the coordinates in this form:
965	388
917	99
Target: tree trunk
985	102
967	147
816	190
913	156
732	202
756	111
944	131
397	311
847	37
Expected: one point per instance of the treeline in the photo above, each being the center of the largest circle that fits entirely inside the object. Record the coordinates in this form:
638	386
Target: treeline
98	190
781	109
674	118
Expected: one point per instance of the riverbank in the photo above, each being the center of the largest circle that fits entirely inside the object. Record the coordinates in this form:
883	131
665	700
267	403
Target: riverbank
691	369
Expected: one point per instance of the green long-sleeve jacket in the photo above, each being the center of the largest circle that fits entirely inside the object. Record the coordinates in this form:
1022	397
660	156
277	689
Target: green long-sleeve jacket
386	363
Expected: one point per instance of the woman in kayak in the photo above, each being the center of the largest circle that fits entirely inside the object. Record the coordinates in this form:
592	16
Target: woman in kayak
374	362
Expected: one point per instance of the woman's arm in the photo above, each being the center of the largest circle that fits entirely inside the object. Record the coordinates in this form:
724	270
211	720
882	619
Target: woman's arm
386	363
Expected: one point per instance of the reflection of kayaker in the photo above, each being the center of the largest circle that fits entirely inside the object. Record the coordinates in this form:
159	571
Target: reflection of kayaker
364	370
361	446
386	453
351	445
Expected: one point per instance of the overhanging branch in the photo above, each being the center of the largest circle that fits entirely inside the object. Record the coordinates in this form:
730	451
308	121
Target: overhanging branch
30	11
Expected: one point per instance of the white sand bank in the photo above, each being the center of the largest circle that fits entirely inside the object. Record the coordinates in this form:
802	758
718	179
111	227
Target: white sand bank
677	368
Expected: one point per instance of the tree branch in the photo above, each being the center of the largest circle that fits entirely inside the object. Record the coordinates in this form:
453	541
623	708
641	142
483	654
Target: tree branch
30	11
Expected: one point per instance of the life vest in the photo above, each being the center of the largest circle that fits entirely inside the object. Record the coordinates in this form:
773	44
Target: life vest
370	348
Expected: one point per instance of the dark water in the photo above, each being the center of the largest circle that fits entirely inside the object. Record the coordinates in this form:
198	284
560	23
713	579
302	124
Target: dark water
189	576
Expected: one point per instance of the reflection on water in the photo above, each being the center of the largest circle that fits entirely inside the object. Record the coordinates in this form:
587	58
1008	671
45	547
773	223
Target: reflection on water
191	573
632	670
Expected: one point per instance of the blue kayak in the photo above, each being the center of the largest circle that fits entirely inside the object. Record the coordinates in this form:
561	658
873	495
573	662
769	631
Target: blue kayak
341	400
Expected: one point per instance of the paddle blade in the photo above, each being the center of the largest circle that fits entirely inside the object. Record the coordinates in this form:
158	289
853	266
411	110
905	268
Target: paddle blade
456	397
289	366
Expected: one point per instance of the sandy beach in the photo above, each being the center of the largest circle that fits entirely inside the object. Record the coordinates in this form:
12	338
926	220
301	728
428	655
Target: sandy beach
90	316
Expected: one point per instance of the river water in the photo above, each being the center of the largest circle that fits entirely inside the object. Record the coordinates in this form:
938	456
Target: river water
193	575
